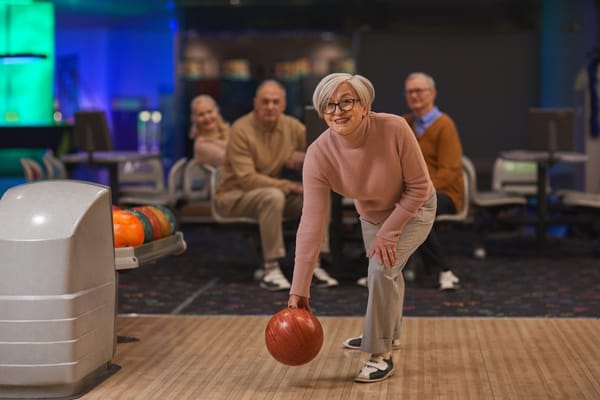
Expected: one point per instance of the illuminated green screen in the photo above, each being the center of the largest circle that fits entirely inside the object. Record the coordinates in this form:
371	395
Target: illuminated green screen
26	83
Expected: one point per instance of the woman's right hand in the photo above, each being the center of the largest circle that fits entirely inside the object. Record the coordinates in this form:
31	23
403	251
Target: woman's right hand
385	250
296	301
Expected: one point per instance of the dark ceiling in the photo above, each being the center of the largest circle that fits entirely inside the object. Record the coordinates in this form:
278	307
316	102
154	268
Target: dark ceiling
339	15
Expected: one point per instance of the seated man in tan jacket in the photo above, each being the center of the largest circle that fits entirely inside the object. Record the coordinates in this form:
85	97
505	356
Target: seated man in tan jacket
262	144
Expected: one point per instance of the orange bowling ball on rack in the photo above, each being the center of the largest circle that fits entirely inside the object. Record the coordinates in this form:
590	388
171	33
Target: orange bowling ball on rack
127	229
294	336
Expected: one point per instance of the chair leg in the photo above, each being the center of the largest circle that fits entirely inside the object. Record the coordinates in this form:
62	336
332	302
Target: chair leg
481	224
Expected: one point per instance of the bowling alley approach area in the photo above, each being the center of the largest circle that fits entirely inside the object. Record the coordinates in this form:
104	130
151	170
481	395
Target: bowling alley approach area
224	357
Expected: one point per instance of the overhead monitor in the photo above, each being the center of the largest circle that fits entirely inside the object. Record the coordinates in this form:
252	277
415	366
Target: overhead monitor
91	131
551	129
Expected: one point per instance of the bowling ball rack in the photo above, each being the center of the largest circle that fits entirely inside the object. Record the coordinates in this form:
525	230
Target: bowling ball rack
134	257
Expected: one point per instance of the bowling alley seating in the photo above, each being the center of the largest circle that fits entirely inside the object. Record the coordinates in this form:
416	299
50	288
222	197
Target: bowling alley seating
461	215
55	168
487	205
196	182
32	170
215	176
195	206
199	184
516	177
11	168
146	177
168	196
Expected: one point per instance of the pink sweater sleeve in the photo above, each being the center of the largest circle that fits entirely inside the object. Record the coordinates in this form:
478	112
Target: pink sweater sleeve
313	224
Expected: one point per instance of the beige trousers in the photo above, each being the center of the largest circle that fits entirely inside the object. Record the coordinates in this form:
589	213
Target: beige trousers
383	317
270	206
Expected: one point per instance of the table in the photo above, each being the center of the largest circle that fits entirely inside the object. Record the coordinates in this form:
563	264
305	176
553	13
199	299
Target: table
110	160
544	160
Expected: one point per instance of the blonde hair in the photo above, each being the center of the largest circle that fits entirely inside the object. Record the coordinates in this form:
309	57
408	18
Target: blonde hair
222	126
363	87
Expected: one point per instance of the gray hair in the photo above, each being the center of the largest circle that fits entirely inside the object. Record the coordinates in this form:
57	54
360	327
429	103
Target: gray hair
428	79
363	87
269	82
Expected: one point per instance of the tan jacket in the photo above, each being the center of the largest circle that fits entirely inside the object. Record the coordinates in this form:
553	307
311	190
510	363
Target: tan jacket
256	157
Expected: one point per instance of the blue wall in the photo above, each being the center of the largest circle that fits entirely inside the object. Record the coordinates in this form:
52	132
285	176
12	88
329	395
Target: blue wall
125	62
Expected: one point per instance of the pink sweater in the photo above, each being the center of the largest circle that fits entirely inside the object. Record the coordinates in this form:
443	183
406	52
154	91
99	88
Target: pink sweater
379	165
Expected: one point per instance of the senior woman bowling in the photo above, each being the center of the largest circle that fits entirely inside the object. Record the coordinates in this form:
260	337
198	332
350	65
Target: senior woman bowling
374	159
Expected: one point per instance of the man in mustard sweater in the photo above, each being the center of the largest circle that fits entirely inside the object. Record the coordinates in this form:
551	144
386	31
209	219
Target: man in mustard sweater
261	145
439	141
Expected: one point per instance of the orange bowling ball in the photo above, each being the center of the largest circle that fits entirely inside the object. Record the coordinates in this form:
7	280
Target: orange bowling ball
294	336
127	229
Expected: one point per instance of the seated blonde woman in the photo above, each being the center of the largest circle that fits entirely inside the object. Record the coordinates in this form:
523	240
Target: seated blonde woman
208	131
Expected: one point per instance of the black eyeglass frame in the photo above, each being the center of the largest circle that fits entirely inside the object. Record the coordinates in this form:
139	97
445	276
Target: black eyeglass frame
350	106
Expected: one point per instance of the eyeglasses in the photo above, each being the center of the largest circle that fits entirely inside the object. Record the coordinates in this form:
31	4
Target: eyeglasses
418	91
344	105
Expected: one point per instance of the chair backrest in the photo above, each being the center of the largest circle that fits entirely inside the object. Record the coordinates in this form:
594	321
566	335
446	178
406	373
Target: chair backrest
32	170
54	166
493	198
146	173
196	182
518	177
462	214
215	176
175	177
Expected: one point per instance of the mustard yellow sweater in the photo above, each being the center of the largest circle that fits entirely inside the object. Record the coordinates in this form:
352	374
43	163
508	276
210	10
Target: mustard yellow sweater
442	151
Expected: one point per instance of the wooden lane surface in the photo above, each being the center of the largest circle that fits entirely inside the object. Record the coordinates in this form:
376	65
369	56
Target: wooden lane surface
224	357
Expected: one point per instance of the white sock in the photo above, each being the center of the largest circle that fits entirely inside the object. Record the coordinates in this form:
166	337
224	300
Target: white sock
386	356
271	265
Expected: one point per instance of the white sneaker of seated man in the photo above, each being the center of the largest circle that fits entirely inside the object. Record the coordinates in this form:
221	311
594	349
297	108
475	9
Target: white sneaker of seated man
273	279
448	281
322	279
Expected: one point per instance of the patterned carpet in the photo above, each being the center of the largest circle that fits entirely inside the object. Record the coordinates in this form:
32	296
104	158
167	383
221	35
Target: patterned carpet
215	276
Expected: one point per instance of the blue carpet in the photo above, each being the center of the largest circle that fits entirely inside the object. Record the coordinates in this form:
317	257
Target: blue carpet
215	276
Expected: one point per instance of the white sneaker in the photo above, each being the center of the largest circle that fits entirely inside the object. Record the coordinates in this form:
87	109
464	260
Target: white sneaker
274	280
364	281
375	370
448	281
322	279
